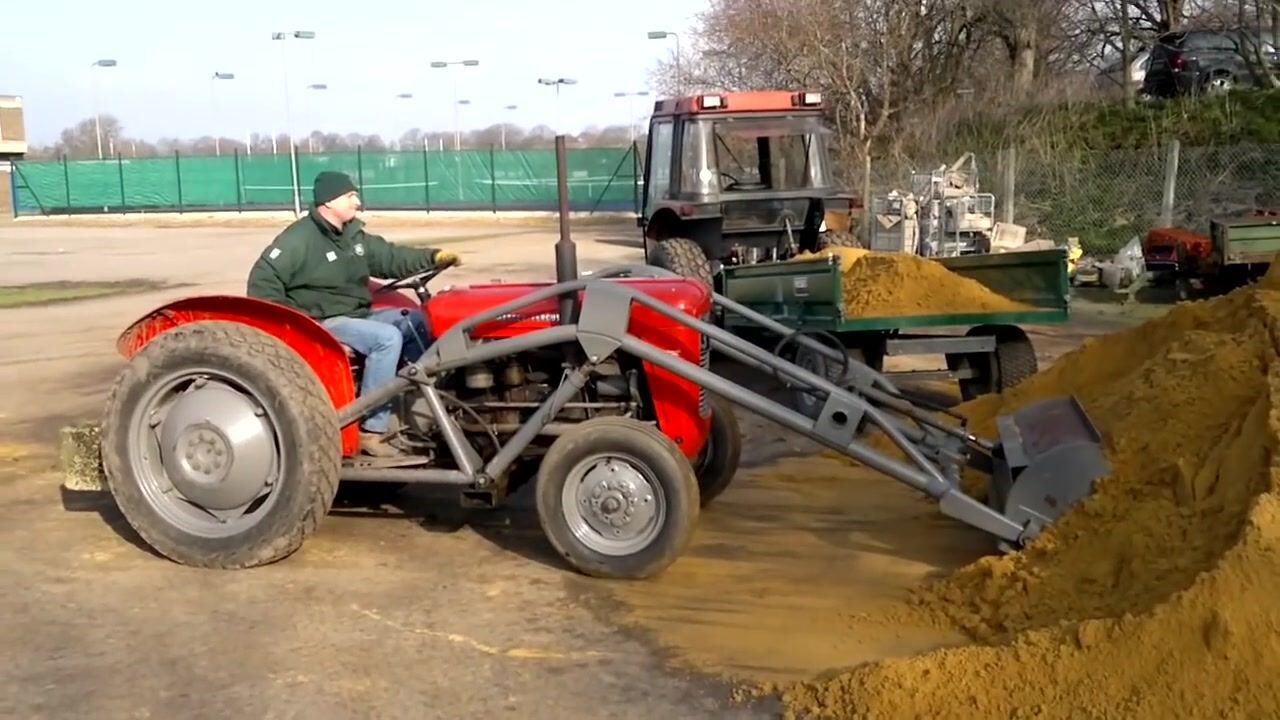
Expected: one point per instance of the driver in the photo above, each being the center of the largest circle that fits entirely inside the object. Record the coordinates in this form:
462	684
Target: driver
320	265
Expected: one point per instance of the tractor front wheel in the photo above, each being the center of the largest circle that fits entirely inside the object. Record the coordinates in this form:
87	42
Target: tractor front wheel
718	461
685	258
617	499
220	446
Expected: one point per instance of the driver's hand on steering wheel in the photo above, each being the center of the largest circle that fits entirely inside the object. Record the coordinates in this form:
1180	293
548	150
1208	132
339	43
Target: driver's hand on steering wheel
446	258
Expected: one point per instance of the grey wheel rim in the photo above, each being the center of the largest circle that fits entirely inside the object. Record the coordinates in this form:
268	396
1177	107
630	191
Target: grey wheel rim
206	452
613	504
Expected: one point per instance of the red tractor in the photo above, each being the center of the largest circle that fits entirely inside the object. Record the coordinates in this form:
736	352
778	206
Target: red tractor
228	433
224	447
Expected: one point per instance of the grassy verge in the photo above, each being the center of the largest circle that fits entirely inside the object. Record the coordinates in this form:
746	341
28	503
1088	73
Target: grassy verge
13	296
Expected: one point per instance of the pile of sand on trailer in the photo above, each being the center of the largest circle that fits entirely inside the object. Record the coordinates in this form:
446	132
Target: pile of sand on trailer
879	284
1156	597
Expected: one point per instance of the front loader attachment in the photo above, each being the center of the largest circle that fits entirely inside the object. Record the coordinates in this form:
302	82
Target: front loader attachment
1048	456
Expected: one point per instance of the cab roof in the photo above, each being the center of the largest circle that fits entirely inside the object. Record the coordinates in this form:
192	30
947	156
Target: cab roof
740	102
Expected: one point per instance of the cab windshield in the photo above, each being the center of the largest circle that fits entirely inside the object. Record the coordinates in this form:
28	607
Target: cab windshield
755	154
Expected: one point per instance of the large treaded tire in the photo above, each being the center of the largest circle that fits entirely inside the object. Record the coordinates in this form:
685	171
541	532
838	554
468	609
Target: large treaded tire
638	442
719	460
832	239
1015	356
305	421
684	258
1013	361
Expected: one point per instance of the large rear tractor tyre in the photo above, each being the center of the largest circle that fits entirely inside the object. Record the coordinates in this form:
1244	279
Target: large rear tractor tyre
684	258
221	447
833	239
617	499
718	461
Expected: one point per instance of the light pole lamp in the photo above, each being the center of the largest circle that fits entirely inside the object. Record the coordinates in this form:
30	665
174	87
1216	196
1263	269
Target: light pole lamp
97	122
504	126
404	96
556	83
307	112
662	35
213	102
445	64
631	110
288	118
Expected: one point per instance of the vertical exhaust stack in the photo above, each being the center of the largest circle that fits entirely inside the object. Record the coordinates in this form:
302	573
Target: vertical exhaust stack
566	251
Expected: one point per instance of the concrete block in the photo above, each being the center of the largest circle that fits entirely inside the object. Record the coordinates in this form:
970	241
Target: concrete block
80	458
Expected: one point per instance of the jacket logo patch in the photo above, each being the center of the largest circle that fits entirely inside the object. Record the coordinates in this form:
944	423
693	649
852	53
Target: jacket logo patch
359	248
331	256
275	253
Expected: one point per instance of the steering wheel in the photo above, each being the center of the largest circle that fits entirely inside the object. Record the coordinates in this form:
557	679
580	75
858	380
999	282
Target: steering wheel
418	281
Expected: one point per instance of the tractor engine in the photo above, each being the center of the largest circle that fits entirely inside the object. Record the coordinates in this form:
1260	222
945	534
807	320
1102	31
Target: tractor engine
496	398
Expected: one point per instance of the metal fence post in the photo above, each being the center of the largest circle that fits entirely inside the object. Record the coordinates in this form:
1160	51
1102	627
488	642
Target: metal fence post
66	180
124	204
360	174
426	178
1170	183
239	182
636	175
177	164
1010	183
493	179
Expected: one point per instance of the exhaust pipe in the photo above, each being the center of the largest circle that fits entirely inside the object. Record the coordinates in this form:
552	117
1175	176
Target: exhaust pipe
566	251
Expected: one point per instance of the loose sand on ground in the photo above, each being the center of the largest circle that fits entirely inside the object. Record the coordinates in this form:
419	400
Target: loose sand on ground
1154	598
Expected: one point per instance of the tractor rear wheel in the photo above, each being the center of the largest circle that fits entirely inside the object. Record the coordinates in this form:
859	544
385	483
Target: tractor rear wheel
831	239
685	258
220	446
617	499
718	461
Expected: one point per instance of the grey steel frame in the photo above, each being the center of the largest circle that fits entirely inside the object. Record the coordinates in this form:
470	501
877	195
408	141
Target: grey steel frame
599	324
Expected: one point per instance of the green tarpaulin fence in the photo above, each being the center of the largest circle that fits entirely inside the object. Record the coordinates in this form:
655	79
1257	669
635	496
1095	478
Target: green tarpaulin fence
598	179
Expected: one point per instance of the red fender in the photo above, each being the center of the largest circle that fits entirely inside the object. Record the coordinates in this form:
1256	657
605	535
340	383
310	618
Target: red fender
315	345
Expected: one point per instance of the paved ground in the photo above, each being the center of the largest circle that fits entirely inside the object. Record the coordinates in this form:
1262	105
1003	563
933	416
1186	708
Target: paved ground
415	611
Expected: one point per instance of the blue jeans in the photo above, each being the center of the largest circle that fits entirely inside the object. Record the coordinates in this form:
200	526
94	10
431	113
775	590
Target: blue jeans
383	338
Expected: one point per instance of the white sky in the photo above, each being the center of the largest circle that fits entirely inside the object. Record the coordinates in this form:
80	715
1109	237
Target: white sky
365	52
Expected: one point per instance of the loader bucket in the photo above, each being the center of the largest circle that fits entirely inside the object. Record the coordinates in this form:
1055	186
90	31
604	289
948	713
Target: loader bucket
1048	457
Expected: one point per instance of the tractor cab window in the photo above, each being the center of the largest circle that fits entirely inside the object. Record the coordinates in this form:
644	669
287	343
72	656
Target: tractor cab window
754	154
658	179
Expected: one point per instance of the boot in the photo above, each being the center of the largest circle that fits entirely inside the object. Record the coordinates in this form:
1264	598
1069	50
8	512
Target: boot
376	444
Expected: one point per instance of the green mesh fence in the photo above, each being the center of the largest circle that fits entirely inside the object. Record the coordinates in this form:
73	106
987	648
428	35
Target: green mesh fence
603	179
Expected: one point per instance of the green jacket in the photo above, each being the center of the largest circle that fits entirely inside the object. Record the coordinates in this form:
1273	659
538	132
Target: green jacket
312	267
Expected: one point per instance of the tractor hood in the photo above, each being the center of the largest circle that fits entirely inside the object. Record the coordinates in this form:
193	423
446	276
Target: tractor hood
450	306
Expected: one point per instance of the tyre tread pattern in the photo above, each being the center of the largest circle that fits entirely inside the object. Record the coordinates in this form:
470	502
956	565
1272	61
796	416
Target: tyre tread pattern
298	387
684	257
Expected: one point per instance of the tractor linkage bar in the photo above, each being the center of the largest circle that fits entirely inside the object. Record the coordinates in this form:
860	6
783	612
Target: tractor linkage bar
934	451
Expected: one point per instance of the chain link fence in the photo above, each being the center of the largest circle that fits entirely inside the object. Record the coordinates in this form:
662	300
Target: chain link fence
1106	198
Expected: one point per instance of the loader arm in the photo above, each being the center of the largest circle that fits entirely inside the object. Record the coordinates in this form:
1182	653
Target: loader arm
1045	460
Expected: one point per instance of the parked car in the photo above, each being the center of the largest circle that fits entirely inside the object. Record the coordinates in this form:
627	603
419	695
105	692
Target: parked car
1193	62
1111	79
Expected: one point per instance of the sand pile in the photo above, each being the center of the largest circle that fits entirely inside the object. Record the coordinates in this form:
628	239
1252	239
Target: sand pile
888	284
1156	598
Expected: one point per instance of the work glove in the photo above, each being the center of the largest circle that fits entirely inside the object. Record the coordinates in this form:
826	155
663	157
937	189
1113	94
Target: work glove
445	258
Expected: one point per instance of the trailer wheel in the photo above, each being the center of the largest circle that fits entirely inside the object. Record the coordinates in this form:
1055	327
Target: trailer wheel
683	257
1013	361
617	499
808	404
718	461
221	447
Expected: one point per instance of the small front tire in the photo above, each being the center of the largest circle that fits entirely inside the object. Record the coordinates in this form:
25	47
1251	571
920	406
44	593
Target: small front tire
617	499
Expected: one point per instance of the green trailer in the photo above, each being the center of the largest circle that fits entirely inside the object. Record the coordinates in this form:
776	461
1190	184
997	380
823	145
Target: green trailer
1245	245
985	352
